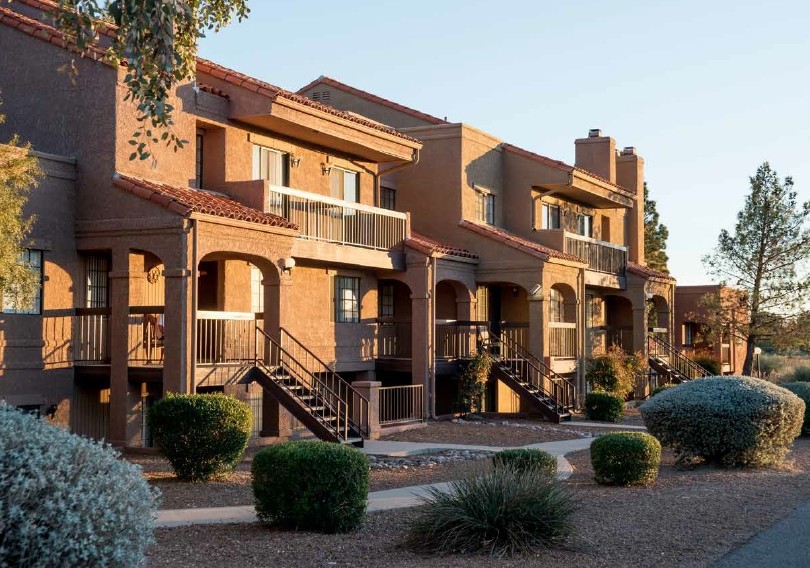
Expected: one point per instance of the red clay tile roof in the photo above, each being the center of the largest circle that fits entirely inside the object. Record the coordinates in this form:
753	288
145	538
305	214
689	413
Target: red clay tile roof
271	91
50	34
43	31
647	272
373	98
184	201
562	166
213	90
430	246
519	243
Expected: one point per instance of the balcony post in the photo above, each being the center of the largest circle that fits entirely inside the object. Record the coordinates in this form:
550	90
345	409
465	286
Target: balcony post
178	319
119	348
640	330
538	328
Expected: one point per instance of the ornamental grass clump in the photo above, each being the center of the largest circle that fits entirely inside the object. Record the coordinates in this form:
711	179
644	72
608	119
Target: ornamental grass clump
67	500
503	512
802	390
527	458
729	421
202	435
306	485
626	458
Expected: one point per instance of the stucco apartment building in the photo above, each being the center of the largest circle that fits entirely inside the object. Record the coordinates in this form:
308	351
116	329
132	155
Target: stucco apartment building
330	264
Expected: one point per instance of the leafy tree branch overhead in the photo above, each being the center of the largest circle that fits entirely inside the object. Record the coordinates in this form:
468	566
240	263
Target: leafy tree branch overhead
156	41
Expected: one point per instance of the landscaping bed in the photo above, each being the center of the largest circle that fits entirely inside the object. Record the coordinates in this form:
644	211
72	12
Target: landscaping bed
687	518
489	432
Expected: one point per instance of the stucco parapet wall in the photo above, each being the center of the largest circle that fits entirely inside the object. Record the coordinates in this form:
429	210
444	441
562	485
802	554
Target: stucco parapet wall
452	130
53	165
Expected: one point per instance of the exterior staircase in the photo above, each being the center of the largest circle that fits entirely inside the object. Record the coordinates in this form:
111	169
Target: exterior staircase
552	395
668	362
313	393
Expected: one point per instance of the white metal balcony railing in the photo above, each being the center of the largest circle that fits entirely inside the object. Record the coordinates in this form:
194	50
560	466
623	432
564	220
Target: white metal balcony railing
225	338
402	404
601	256
323	218
563	339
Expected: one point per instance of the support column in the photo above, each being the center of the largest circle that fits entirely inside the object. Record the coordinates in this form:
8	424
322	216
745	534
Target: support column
421	342
119	347
278	309
538	328
465	309
640	330
370	390
178	319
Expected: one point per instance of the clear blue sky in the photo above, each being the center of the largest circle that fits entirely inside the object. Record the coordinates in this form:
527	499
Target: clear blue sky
706	90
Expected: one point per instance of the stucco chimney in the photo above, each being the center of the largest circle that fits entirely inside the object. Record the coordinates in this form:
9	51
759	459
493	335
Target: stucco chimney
597	154
630	176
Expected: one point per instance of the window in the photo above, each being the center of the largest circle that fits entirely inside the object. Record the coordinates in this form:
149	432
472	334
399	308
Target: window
33	260
347	299
690	331
256	290
482	303
388	198
551	216
271	165
386	300
345	185
593	310
556	306
198	156
485	207
96	281
585	225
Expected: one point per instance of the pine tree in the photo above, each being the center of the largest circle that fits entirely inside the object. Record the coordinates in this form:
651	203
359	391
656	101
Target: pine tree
763	257
655	236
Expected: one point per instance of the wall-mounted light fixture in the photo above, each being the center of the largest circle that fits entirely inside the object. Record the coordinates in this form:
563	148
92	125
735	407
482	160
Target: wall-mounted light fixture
294	160
287	264
326	169
535	290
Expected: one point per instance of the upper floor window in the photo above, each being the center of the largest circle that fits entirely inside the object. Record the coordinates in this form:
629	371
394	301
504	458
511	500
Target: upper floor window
485	207
386	300
690	331
347	299
551	216
388	198
96	281
32	259
585	225
271	165
256	290
556	306
344	184
199	156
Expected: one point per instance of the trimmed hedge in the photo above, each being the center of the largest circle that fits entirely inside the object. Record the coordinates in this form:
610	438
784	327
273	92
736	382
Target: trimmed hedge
604	406
527	458
661	389
802	390
316	486
503	512
731	421
202	435
626	458
67	500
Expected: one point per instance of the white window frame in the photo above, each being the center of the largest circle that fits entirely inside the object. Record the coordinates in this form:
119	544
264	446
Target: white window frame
485	206
347	299
37	265
261	165
548	218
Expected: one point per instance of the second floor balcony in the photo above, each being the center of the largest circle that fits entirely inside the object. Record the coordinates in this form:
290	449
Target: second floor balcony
606	261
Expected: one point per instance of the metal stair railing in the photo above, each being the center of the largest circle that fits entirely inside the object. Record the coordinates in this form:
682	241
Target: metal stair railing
534	371
348	406
663	351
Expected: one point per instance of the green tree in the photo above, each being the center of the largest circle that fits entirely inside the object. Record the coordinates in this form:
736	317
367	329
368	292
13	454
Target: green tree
655	235
19	172
763	257
157	42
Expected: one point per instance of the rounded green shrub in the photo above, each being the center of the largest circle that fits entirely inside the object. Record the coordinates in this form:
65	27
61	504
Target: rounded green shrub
709	363
604	406
311	486
613	371
731	421
506	511
801	374
802	390
527	458
626	458
202	435
67	500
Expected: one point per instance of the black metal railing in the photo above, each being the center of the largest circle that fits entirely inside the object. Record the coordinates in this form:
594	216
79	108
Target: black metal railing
660	349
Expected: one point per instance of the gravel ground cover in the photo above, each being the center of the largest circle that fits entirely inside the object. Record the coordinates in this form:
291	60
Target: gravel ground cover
489	432
689	518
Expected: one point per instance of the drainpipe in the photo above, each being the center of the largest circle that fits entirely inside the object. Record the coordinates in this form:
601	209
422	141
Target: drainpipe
378	176
194	284
432	350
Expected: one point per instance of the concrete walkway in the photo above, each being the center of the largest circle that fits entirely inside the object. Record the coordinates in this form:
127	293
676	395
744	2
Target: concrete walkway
602	425
786	544
377	500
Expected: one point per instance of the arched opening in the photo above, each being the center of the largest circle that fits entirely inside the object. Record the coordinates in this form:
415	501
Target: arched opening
657	309
505	307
